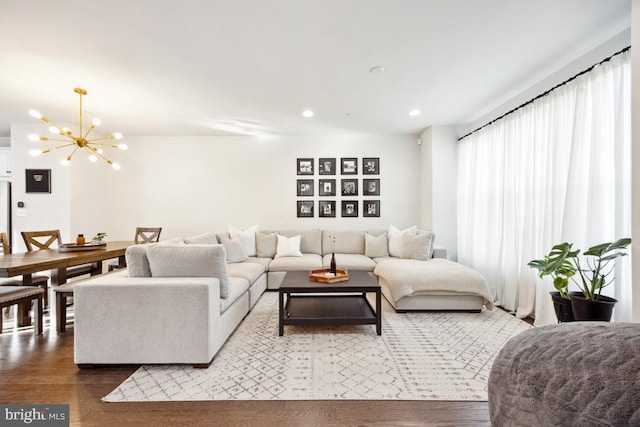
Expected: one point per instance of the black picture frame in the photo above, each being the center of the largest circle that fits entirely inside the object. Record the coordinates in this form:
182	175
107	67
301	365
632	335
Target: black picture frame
349	208
327	209
304	187
349	187
304	209
38	180
371	187
371	208
327	187
370	165
326	166
305	166
349	166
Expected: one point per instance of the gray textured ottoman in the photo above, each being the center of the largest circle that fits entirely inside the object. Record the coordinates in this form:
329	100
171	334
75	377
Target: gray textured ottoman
570	374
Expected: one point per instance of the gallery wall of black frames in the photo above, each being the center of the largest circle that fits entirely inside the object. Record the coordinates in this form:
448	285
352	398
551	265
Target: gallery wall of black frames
348	187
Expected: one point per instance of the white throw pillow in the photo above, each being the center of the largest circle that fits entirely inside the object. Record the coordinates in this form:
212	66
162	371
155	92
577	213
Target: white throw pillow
247	238
376	247
235	251
418	245
288	246
396	244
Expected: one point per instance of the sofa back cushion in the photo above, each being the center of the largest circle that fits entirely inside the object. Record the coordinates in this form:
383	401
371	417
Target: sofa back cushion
137	261
195	260
235	251
205	238
344	241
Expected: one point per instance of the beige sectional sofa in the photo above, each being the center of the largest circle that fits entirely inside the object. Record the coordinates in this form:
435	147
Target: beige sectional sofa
179	300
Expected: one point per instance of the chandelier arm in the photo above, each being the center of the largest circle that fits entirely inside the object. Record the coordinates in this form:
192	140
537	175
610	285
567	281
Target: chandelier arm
103	144
55	139
59	146
89	150
103	157
68	134
94	141
89	129
72	153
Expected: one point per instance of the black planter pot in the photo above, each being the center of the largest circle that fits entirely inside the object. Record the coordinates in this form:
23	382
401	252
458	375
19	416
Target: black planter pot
564	311
592	310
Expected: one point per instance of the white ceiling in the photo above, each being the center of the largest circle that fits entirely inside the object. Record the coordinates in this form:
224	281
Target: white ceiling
222	67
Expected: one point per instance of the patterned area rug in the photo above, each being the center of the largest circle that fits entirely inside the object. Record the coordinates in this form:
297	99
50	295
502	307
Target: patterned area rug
420	356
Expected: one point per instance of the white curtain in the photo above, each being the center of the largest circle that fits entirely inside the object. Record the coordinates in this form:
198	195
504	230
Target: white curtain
558	169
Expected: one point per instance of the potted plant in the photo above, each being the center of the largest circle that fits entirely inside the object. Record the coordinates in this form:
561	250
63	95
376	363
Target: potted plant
590	273
99	237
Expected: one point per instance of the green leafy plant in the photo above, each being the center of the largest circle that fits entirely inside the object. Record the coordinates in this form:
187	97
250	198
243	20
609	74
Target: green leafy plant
593	269
99	237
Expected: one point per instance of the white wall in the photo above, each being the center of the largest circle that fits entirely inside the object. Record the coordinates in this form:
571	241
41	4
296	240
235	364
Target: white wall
190	185
44	211
439	178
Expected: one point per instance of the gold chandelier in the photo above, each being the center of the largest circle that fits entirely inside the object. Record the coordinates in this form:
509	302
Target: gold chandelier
79	142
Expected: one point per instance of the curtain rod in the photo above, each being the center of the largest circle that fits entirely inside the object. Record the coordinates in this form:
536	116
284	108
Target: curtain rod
545	93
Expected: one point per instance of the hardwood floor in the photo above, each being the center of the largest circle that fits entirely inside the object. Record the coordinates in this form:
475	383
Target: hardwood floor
40	370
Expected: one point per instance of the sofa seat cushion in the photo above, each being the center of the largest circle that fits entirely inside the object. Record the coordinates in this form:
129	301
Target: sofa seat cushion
407	277
350	262
250	271
237	287
262	261
305	262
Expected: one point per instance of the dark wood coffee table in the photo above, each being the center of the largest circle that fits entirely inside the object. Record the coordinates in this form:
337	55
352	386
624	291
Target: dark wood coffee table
341	303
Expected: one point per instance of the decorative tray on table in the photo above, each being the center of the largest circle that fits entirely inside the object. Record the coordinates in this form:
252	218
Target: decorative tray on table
326	276
72	247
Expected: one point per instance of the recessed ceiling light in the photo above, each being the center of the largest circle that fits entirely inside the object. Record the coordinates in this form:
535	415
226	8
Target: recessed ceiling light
378	69
307	113
415	113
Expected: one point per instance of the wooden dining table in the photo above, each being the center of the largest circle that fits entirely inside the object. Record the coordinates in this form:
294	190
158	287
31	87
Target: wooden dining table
28	263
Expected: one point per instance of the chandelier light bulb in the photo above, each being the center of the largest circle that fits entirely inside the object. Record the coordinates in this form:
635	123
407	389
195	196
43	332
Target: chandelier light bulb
115	166
55	130
35	114
98	150
34	137
117	135
35	152
123	146
93	158
96	121
65	161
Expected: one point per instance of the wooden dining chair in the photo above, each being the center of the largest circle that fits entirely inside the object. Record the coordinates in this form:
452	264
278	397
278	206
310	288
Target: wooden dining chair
143	235
39	280
36	240
147	234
